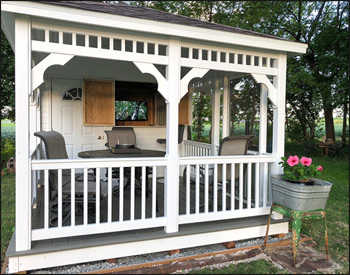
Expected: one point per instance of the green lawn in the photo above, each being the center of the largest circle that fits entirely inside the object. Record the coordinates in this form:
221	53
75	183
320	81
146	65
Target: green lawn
7	126
7	211
255	267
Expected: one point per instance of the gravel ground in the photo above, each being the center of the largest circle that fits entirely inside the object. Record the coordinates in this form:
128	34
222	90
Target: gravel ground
153	257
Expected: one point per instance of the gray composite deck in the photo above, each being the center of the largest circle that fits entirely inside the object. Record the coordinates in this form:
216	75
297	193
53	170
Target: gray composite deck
60	244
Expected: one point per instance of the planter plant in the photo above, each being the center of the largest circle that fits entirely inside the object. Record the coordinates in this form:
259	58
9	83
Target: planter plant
297	188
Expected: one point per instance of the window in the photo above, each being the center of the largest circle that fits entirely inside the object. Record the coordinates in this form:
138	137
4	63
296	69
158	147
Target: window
73	94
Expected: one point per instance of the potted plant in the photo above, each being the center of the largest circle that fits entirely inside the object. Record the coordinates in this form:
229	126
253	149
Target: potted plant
297	188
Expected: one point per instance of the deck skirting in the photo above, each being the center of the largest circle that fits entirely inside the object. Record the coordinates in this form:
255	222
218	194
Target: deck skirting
45	259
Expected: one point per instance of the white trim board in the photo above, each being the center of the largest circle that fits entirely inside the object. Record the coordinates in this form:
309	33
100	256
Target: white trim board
75	256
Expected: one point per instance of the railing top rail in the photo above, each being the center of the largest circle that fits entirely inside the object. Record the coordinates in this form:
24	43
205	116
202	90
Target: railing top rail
96	163
227	159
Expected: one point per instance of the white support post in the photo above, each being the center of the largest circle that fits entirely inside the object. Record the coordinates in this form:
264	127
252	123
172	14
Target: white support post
263	120
33	122
279	119
226	108
215	128
262	135
171	202
23	87
279	113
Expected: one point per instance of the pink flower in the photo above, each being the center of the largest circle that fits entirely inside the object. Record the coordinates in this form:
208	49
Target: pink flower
320	168
293	160
306	161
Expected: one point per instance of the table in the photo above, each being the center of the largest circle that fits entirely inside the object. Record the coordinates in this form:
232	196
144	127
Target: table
108	154
297	218
330	145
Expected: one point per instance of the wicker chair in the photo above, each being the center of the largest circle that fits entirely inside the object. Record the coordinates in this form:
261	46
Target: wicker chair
180	135
120	135
55	148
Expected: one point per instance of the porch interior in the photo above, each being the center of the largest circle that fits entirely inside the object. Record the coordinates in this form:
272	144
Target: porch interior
86	241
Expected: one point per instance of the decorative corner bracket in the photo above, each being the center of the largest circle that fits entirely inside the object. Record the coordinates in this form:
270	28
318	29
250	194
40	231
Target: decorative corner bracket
195	72
152	70
39	70
272	92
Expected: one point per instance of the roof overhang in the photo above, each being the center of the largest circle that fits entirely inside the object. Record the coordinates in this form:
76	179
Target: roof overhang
40	10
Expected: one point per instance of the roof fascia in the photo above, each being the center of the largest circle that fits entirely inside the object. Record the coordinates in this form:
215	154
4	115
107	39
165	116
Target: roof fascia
149	26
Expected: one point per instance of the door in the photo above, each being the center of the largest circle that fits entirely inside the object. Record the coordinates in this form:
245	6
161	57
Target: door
67	118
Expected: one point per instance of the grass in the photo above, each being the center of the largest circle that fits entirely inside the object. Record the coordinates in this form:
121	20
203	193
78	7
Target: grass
255	267
7	126
7	211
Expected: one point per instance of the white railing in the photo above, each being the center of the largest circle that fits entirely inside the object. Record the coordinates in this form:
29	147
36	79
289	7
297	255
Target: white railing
194	148
245	193
87	206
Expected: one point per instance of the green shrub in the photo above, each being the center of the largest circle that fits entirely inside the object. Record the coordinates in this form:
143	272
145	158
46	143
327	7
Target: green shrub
7	147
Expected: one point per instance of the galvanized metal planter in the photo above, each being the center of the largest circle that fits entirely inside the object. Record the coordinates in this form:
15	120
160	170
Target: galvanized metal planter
300	197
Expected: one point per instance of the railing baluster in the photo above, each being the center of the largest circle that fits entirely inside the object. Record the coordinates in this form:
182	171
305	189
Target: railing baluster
240	186
224	187
233	186
59	198
197	189
143	192
249	184
132	195
257	185
97	199
85	196
109	214
154	191
72	195
46	199
188	189
215	202
121	194
268	173
206	188
265	185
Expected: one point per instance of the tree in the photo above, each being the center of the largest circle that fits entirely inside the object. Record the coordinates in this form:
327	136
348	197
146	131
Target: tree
7	80
322	73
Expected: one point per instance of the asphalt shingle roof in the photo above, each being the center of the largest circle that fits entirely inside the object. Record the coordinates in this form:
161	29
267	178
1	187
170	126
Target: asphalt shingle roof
152	14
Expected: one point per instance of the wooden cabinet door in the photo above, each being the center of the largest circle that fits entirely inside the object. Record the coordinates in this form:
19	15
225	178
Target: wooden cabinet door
99	102
184	110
